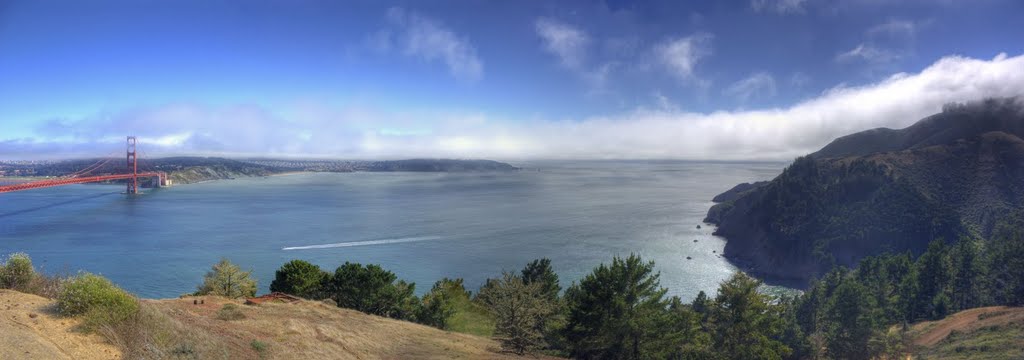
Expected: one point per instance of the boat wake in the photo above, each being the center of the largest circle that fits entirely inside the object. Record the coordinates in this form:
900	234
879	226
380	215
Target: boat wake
364	243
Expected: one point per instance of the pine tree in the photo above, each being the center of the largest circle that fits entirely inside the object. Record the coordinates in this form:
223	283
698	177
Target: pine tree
439	304
521	311
1007	266
968	275
702	306
539	271
850	321
228	280
934	275
372	290
616	312
300	278
745	325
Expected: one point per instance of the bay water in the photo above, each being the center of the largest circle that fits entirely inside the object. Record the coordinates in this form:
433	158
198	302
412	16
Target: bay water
422	226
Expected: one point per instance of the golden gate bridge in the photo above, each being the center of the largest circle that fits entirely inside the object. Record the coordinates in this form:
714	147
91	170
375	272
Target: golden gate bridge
131	174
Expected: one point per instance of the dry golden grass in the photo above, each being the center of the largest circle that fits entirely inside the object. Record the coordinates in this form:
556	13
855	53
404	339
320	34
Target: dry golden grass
30	328
180	329
313	330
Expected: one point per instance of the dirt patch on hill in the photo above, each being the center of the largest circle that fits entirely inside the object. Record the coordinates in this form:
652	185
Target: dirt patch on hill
932	332
984	333
32	329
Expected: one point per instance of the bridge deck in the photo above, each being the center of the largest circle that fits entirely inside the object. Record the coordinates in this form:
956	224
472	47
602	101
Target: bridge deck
68	181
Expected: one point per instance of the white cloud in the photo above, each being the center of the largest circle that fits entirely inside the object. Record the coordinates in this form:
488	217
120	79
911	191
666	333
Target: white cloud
799	80
778	6
869	54
894	28
566	42
663	103
416	35
884	44
571	45
756	86
358	132
681	55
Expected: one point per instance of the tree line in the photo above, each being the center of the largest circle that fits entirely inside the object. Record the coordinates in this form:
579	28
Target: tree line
620	311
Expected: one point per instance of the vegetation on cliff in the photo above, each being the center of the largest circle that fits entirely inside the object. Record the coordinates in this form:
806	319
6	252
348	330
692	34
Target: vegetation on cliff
957	173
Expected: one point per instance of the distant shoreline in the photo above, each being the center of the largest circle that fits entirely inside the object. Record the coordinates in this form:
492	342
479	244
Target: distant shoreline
289	173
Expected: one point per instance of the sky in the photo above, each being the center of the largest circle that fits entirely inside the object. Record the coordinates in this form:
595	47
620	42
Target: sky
716	80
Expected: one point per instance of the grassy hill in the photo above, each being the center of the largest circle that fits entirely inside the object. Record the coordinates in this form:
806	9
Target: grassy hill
995	332
178	328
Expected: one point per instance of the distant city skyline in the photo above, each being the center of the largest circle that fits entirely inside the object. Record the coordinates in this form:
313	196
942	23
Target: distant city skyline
743	80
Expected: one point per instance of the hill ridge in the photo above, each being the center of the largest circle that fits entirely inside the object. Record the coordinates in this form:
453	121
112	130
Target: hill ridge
956	173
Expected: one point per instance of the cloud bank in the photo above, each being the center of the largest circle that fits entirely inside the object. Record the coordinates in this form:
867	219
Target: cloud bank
665	133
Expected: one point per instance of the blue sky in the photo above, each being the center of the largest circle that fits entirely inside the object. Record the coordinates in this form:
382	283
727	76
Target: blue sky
760	79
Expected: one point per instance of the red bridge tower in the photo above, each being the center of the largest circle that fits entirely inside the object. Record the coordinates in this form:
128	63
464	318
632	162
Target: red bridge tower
133	167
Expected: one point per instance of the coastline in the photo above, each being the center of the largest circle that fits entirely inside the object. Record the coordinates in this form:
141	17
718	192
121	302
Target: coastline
290	173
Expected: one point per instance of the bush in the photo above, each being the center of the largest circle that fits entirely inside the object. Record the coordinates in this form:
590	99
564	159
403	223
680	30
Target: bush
47	286
97	298
151	334
17	273
300	278
439	304
228	280
230	312
259	347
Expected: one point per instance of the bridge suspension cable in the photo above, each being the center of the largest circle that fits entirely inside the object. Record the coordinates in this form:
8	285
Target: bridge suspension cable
132	175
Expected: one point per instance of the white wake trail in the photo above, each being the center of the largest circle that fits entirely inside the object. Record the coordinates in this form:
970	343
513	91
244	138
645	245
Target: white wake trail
363	243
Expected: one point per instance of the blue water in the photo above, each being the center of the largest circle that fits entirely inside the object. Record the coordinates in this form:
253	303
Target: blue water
422	226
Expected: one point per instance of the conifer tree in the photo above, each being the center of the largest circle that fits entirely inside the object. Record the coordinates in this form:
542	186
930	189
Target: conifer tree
616	312
745	325
228	280
521	311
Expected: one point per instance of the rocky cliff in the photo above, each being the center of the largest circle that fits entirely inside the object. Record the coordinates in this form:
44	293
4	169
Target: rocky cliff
956	173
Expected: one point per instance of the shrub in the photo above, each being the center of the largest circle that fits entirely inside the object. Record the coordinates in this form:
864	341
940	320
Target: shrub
151	334
300	278
97	298
439	304
230	312
47	286
260	347
228	280
17	273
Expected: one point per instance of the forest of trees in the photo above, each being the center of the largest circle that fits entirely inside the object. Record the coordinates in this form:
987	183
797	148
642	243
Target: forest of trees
620	311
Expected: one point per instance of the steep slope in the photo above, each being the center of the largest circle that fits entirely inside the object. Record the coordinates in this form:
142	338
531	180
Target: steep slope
983	333
313	330
956	173
31	329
